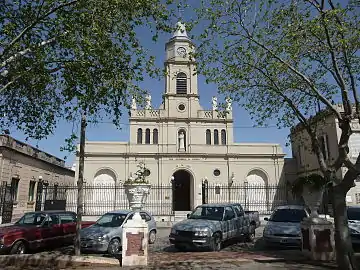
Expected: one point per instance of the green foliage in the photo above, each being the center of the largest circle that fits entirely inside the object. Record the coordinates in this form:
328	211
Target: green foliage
281	59
61	58
313	181
139	176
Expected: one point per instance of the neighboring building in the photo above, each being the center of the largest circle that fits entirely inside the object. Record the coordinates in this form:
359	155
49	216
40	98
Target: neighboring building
183	143
22	166
329	133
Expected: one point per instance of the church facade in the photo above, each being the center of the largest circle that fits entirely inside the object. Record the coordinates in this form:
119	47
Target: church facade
182	143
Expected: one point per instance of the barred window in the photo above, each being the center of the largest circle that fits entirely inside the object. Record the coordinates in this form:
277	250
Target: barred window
357	198
139	136
155	136
208	136
181	83
147	136
216	136
223	137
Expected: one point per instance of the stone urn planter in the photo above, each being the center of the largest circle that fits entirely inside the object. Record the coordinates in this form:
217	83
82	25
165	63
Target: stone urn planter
137	194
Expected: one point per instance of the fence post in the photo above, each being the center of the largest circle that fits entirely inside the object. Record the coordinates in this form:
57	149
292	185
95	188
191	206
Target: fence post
204	192
245	194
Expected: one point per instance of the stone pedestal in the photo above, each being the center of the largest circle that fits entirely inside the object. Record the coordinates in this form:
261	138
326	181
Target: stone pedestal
135	242
317	235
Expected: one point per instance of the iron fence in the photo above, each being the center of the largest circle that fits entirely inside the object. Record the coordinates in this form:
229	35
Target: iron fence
99	199
262	198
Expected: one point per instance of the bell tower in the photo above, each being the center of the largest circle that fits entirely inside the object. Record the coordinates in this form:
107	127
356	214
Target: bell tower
181	85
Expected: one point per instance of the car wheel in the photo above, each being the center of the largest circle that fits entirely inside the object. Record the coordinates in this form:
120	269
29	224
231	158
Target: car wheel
250	237
114	246
215	244
152	237
18	248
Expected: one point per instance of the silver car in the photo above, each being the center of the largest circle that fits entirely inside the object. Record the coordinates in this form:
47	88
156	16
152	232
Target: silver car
105	235
284	228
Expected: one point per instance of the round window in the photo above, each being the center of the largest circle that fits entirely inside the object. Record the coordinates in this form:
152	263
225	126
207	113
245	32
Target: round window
181	107
216	172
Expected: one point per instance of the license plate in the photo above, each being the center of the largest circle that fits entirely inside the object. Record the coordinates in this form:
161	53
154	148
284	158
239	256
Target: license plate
283	241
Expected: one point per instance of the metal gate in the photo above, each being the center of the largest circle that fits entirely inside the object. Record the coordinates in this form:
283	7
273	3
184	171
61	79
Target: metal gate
50	197
6	193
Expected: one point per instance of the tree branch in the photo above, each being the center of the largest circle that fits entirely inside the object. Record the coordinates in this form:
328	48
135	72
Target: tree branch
293	69
25	51
26	29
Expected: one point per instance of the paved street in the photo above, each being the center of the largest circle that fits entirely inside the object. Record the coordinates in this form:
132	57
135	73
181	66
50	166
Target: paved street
233	256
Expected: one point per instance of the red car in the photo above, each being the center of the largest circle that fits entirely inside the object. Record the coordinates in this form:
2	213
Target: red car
35	230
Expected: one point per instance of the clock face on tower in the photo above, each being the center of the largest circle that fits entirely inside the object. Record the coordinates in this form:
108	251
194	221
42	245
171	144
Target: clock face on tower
181	51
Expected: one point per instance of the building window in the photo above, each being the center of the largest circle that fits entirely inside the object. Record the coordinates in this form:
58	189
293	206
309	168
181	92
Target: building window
31	191
223	137
147	136
155	136
216	172
181	83
14	188
208	136
216	136
139	136
324	144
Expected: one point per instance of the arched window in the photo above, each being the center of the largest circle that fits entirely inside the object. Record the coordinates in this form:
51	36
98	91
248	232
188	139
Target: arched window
139	136
181	83
216	136
155	136
147	136
223	137
208	136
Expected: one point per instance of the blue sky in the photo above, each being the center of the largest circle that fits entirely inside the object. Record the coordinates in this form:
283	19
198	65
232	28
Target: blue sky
243	131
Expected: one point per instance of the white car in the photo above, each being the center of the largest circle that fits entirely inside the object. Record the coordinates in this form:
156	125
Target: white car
283	227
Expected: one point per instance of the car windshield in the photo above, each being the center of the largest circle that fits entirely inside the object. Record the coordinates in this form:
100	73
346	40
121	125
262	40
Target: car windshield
353	214
31	219
207	212
288	215
111	220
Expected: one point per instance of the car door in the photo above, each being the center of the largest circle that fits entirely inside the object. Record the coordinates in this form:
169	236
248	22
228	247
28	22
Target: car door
56	231
230	222
46	232
68	226
145	216
240	226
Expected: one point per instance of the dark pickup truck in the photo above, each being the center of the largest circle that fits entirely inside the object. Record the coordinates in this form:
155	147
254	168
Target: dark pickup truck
209	225
37	230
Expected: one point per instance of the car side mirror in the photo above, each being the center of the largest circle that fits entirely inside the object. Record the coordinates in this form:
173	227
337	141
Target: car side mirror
266	219
188	216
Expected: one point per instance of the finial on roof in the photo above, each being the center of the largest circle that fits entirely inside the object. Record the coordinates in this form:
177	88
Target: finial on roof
180	30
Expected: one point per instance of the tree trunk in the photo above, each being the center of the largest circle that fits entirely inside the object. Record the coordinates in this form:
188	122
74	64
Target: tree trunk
80	184
344	251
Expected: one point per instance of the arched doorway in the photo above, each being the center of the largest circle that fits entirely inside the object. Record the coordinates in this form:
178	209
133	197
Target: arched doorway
257	198
182	191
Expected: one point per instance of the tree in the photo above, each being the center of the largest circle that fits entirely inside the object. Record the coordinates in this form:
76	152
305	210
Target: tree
73	59
284	59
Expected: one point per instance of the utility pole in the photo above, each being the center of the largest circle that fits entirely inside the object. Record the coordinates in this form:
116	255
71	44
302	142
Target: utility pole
80	184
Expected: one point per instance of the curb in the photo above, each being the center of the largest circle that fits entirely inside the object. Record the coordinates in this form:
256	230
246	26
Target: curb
60	261
202	261
270	260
